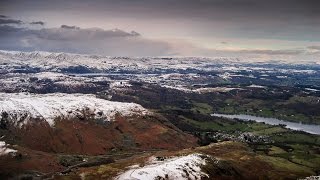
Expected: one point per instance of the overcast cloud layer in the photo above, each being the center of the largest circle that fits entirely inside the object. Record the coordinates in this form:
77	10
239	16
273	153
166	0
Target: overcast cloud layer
73	39
256	29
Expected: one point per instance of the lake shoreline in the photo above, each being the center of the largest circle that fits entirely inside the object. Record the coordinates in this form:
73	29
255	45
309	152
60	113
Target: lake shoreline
309	128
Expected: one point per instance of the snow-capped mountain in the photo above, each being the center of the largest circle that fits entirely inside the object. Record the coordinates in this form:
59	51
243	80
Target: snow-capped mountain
46	72
60	61
83	124
19	108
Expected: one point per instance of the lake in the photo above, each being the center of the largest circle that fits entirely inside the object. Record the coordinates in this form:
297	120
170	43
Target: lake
309	128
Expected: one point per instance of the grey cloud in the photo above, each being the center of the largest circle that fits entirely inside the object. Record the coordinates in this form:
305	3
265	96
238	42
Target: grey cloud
37	22
6	29
231	10
269	53
75	33
274	52
314	48
134	33
91	41
69	27
261	55
116	43
10	21
3	16
188	49
269	19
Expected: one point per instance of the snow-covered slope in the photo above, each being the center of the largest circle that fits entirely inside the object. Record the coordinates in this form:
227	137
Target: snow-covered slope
4	149
184	167
21	107
311	178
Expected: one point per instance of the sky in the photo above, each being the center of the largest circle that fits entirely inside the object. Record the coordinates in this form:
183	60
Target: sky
248	29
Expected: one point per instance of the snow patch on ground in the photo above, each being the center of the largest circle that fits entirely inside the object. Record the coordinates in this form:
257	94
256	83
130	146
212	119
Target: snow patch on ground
201	90
51	75
180	88
215	89
21	107
120	84
311	89
184	167
311	178
4	149
256	86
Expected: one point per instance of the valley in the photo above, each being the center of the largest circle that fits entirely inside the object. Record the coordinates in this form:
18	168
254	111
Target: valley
70	116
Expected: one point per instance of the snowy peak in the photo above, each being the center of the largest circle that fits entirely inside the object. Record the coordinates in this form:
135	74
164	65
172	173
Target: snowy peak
20	108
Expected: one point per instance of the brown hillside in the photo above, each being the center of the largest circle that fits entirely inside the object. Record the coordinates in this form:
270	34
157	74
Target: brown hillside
93	138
